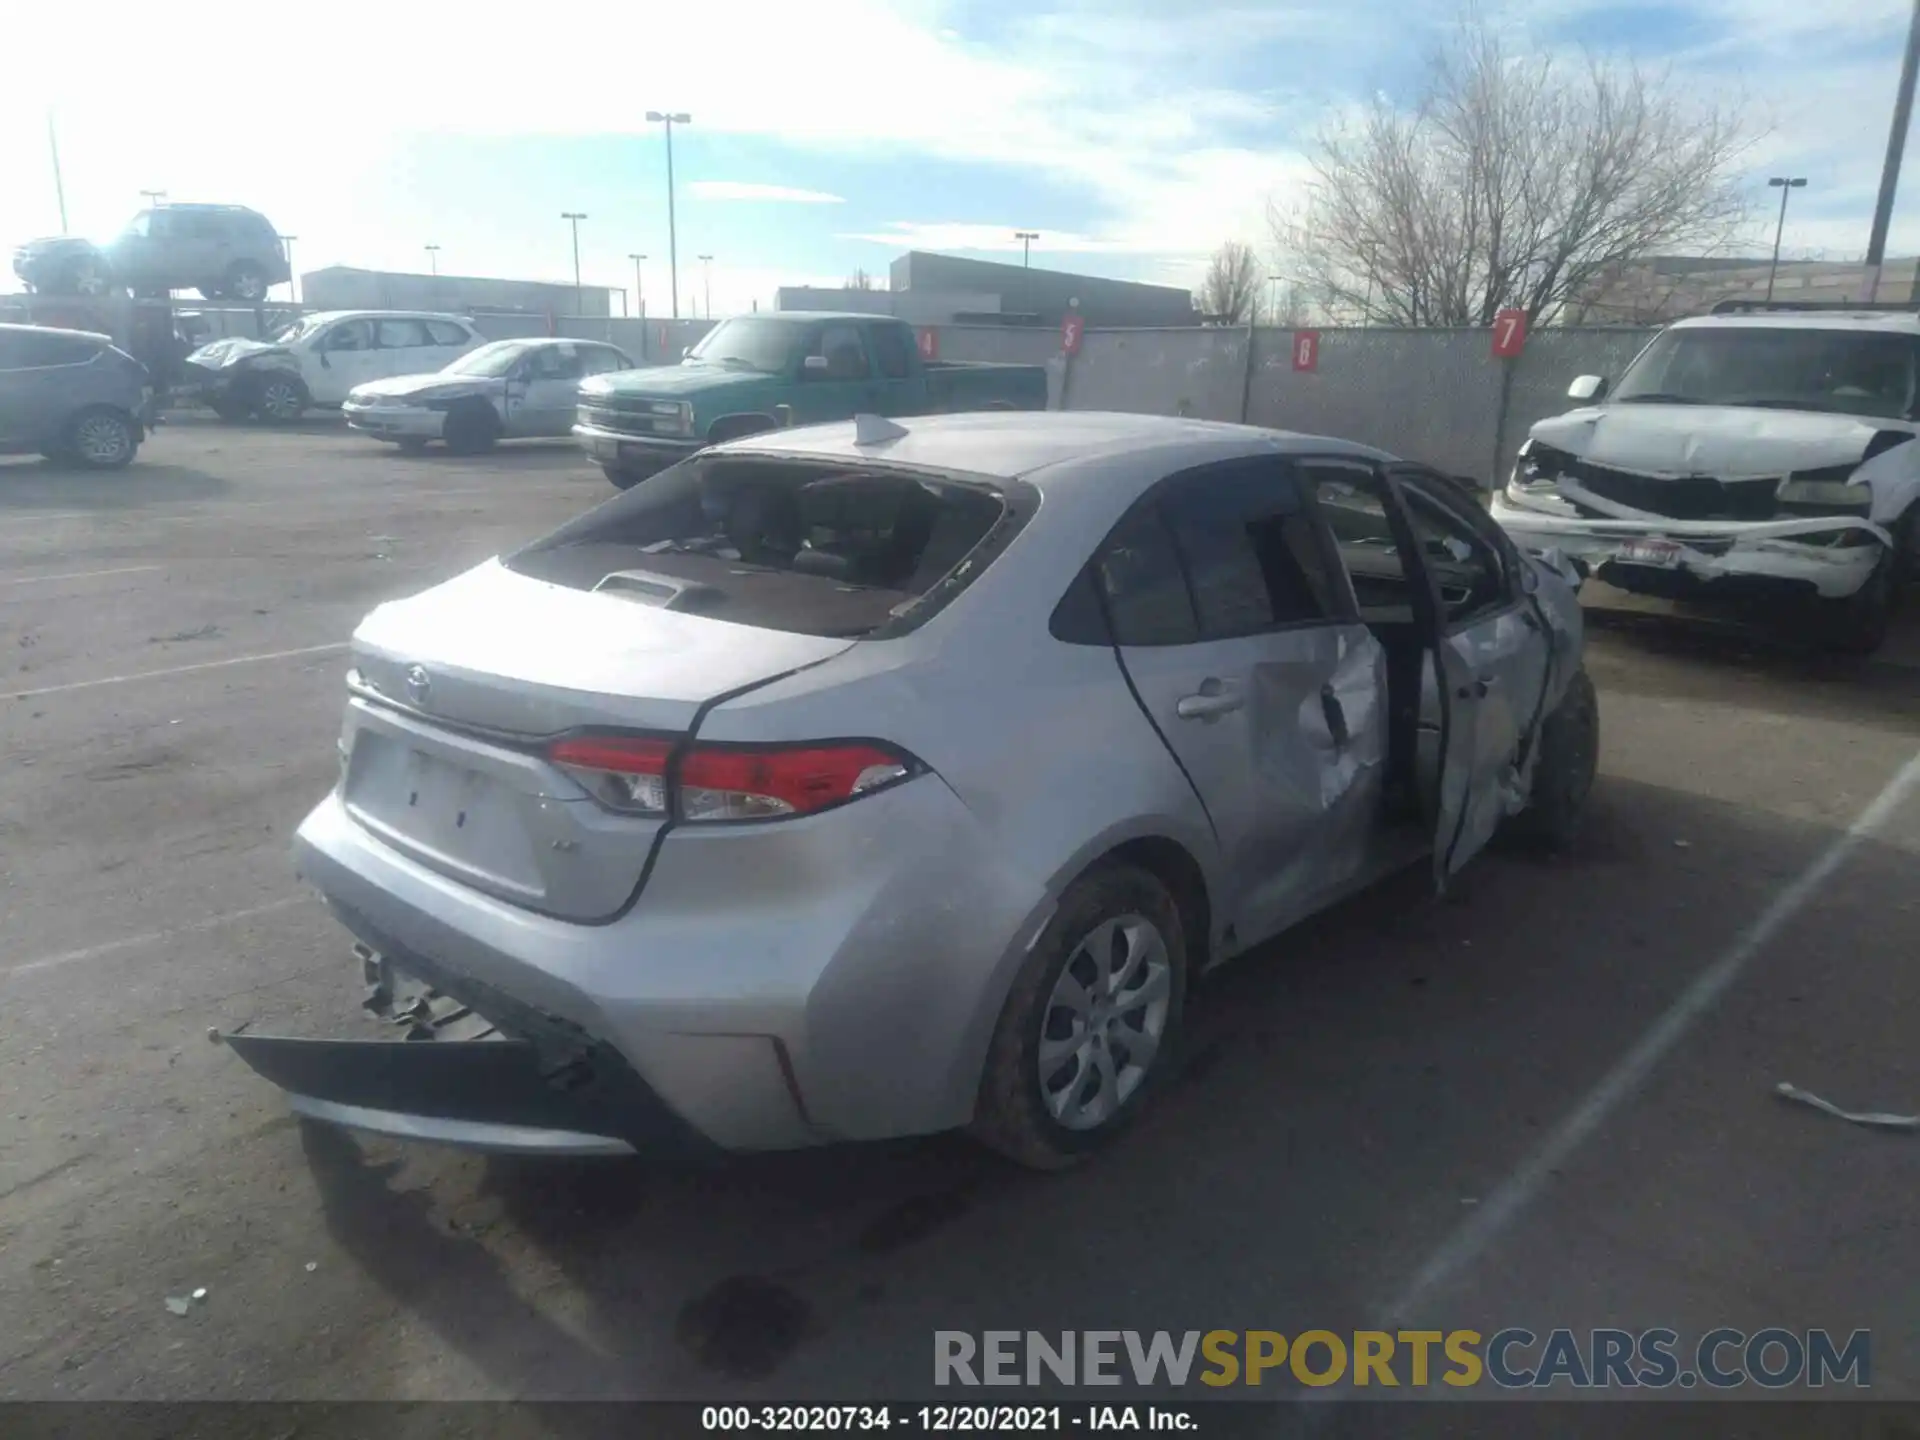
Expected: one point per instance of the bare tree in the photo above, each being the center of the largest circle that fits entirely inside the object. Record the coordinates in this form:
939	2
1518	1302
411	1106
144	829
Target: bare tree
1232	286
860	280
1515	181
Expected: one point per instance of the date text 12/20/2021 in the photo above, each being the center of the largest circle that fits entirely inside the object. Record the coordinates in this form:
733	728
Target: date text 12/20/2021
944	1419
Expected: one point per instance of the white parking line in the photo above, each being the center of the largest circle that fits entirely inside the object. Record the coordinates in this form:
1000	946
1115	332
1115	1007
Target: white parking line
80	575
151	937
172	670
1500	1208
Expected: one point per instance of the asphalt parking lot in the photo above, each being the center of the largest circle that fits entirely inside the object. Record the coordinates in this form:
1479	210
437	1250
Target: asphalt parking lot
1544	1100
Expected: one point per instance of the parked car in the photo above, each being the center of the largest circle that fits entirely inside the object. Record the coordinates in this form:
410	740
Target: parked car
1757	456
506	390
223	251
71	395
761	372
879	778
320	358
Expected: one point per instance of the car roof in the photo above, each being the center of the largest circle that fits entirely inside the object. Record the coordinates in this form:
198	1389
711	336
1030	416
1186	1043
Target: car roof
1899	322
1051	449
388	315
802	317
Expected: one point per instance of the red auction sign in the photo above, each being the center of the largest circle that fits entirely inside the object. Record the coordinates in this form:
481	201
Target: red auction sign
1509	333
928	339
1071	329
1306	349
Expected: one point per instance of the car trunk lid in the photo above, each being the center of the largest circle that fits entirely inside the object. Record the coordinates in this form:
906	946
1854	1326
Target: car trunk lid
460	690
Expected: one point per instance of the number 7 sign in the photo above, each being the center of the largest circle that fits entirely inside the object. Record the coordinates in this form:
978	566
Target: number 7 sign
1509	333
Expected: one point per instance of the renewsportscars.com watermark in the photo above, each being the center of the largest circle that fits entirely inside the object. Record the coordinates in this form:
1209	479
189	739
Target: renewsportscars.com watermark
1773	1358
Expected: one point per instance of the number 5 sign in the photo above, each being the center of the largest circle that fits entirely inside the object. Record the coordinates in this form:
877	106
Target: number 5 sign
1071	329
1306	349
1509	333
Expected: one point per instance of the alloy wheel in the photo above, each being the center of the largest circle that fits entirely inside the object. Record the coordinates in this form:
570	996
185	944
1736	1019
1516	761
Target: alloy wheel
1101	1029
280	400
102	440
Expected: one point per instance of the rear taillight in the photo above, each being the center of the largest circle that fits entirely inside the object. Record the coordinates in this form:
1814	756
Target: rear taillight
728	782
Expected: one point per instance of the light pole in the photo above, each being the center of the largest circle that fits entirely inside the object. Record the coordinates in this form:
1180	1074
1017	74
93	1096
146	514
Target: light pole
671	119
1026	238
706	277
59	189
574	217
1787	186
1890	168
639	295
155	197
293	280
1273	299
433	261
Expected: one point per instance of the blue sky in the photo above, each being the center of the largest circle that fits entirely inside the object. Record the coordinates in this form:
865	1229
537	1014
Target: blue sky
1134	135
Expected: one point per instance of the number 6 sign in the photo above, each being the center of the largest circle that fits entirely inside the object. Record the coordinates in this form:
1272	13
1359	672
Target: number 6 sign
1306	349
1509	333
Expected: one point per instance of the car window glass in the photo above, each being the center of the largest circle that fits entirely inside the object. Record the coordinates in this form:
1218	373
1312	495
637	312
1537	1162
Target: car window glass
162	225
1146	592
1464	564
602	360
349	335
30	351
840	347
1250	548
198	227
445	332
401	334
140	225
890	351
554	362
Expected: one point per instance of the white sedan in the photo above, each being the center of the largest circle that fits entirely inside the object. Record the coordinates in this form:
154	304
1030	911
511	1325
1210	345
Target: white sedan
505	390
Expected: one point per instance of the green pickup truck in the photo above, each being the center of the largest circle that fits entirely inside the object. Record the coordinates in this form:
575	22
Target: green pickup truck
762	372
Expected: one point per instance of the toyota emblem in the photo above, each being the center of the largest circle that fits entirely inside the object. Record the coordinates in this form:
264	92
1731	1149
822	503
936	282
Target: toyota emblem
419	686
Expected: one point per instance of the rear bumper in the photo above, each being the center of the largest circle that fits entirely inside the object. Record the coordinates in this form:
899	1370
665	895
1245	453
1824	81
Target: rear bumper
650	452
395	422
770	989
1783	558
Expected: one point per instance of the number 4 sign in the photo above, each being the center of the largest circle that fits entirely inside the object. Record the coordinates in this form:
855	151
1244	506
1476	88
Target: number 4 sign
1509	333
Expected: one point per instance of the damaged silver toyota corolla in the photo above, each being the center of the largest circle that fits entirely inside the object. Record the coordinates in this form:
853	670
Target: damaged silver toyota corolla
1743	456
877	779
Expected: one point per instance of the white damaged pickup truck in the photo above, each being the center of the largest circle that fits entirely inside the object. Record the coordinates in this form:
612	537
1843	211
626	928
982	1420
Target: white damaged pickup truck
1758	456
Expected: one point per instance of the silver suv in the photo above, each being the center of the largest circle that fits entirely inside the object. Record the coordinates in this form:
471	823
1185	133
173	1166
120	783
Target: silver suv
71	395
223	251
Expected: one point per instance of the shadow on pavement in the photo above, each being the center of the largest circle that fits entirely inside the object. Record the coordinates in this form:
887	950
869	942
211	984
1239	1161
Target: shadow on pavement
42	485
1346	1090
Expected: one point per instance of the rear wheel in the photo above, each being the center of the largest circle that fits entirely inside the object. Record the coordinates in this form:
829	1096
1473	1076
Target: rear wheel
87	276
621	479
245	281
1564	770
1089	1029
102	439
472	428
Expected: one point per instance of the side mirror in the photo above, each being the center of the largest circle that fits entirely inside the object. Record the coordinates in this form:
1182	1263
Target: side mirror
685	350
1588	387
814	365
783	414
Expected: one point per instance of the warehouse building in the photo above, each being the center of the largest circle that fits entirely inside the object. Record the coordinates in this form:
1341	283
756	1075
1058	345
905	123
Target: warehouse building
929	289
345	287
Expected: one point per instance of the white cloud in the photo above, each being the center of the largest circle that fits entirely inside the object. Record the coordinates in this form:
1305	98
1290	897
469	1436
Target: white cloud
772	194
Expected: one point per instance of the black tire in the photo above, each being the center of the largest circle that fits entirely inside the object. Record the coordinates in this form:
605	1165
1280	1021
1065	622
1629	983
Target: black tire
471	428
412	445
212	292
245	282
102	438
279	399
86	276
1013	1114
1564	770
621	479
1858	624
230	410
722	431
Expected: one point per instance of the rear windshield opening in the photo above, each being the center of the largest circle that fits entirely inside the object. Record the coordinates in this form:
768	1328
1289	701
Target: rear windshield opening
816	549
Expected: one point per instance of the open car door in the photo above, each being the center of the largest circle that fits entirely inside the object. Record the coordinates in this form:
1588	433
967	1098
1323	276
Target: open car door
1491	663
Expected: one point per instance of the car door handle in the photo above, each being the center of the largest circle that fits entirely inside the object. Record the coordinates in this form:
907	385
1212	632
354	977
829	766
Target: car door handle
1208	705
1336	716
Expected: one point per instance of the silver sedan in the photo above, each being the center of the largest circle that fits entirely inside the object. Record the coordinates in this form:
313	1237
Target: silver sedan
884	778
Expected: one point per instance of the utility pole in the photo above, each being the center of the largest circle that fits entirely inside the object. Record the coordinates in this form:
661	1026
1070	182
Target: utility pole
1787	185
293	280
1896	145
706	275
671	119
59	189
155	198
639	295
1026	238
433	261
1273	299
574	217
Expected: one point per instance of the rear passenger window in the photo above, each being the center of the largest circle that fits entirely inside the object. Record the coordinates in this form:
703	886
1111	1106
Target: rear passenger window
24	350
890	351
444	332
1145	589
1251	550
402	335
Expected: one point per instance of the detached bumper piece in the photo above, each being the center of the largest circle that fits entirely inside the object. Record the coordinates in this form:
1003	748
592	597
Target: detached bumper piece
458	1080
